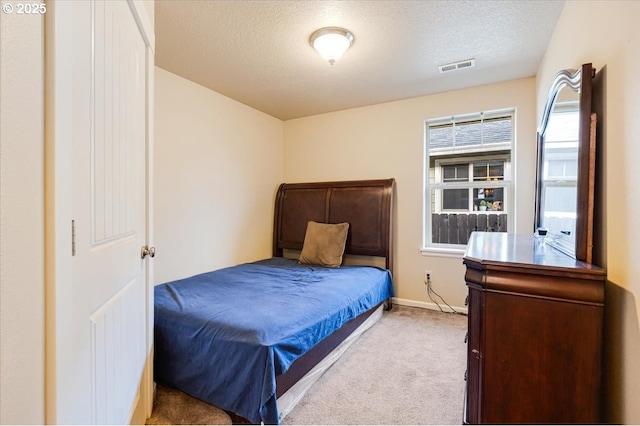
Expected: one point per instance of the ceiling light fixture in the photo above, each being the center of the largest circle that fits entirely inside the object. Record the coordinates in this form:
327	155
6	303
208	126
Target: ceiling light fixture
331	42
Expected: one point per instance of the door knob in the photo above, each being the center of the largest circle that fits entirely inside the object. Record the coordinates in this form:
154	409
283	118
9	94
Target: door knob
144	251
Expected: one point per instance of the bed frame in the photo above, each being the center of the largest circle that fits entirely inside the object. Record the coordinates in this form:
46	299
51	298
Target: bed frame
367	206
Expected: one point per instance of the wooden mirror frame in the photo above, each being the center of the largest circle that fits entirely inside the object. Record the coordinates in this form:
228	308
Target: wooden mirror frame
579	81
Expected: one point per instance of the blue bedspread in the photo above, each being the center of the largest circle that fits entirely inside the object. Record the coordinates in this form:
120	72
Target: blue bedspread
225	335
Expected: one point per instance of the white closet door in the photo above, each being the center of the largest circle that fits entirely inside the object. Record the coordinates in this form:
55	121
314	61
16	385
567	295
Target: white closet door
99	339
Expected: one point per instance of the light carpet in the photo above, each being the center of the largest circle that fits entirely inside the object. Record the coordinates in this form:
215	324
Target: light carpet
407	369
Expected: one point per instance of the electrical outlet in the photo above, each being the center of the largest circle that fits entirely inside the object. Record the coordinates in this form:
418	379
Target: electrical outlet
427	277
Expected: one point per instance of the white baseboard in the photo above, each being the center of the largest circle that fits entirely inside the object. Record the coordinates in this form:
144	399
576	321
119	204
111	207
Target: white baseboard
428	305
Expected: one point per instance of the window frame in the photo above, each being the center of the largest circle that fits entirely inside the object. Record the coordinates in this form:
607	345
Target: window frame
498	151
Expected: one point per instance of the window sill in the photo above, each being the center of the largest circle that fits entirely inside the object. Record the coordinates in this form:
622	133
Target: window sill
443	252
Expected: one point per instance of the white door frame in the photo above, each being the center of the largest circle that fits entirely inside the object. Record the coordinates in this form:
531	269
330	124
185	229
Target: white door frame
58	194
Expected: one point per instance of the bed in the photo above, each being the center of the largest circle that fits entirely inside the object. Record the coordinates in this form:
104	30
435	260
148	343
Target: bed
251	338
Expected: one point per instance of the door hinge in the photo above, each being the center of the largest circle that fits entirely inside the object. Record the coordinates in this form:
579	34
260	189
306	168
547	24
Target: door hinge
73	237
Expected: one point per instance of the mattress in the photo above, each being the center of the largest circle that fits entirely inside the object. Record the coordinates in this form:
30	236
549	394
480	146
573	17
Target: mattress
224	336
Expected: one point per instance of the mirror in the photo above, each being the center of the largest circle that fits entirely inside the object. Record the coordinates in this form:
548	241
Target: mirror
565	172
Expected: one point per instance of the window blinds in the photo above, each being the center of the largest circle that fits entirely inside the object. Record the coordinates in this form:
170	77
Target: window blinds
477	134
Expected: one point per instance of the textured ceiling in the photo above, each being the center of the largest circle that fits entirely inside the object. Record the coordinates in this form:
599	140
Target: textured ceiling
258	52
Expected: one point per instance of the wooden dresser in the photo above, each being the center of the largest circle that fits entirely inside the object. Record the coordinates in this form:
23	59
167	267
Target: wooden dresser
535	333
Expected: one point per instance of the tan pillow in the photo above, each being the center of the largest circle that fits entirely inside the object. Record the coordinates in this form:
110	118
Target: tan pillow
324	244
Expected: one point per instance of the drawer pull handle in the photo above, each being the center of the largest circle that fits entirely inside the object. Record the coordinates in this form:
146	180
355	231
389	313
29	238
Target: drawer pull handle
466	337
466	300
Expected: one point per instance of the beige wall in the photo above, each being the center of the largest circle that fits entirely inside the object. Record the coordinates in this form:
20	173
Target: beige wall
21	219
386	140
606	34
217	165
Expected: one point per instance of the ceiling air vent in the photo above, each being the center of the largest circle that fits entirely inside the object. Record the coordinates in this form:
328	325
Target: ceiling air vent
468	63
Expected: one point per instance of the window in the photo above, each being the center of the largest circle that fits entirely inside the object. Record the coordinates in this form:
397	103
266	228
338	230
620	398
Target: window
467	177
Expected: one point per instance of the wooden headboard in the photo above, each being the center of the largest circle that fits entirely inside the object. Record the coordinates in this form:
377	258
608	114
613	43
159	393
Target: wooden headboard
365	204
